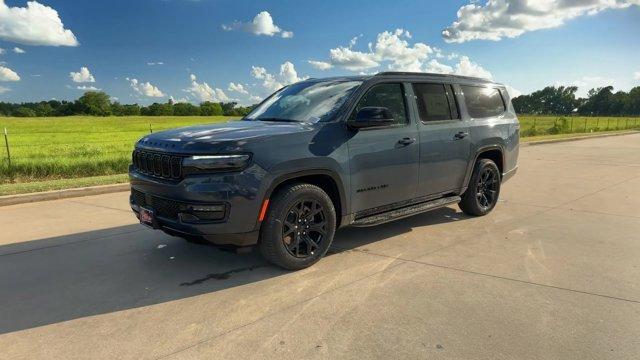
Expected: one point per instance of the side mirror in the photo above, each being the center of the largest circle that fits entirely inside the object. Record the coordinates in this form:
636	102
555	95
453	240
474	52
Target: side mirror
372	116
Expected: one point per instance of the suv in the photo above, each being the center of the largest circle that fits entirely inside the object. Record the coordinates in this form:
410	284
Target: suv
327	153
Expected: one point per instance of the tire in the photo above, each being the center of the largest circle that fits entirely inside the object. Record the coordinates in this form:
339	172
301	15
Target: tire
281	241
482	193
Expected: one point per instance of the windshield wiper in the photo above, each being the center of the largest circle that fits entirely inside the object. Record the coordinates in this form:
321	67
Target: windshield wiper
275	119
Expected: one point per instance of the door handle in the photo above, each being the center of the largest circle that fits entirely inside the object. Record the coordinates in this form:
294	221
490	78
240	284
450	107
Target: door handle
460	135
406	141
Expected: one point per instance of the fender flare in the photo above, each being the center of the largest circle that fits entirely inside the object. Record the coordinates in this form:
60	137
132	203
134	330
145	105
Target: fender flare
472	164
310	172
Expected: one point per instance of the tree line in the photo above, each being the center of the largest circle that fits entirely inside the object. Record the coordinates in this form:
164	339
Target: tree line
552	100
98	103
562	100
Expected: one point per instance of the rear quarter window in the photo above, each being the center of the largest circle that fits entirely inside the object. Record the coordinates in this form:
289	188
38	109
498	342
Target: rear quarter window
483	102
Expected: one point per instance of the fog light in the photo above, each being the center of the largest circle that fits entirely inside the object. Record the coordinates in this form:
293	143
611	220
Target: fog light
202	213
211	208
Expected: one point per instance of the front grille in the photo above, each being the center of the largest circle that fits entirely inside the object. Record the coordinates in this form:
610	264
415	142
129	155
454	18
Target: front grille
157	165
165	208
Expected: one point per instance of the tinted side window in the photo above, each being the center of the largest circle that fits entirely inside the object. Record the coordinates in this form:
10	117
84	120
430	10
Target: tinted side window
483	102
390	96
435	102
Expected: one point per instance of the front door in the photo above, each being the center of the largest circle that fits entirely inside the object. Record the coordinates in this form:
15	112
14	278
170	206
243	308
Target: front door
384	160
444	139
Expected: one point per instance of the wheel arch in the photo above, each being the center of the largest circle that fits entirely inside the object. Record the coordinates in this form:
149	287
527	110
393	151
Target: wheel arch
493	152
328	180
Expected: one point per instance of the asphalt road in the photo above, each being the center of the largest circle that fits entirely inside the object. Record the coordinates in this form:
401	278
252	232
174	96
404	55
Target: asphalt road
552	273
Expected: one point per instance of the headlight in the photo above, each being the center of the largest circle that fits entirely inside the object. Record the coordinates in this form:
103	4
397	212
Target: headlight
203	163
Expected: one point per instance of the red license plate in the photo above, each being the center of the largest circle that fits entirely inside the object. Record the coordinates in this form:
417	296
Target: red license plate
147	218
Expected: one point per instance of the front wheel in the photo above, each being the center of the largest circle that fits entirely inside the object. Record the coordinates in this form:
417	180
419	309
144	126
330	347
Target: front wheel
483	190
299	227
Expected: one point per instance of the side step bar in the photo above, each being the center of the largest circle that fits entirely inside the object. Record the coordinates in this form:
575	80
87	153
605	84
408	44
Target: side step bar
406	211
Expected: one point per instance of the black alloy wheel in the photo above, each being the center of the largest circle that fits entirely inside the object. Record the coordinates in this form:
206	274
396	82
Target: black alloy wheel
483	190
487	188
299	226
304	228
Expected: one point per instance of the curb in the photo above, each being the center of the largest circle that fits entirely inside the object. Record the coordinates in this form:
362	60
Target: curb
62	194
576	138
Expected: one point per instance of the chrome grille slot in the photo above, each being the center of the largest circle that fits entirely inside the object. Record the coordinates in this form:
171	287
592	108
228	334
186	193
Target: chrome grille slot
162	166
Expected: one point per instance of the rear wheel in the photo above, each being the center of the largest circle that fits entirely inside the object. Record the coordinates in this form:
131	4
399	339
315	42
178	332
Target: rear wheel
484	188
299	226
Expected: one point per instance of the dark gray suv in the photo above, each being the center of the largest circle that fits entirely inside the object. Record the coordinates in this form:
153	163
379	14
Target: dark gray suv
327	153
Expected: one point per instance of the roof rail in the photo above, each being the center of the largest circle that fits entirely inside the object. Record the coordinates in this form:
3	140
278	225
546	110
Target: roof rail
409	73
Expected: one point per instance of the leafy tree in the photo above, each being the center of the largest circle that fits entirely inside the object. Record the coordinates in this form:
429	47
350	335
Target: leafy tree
95	103
43	109
228	108
117	109
157	109
632	106
24	111
185	109
131	110
549	101
599	102
208	108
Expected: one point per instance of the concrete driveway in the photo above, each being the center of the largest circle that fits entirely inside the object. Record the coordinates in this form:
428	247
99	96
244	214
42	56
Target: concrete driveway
552	273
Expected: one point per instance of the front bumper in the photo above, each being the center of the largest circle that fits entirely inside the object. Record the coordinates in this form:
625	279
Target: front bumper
176	203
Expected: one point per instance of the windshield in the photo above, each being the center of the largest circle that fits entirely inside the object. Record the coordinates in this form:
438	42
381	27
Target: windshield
305	101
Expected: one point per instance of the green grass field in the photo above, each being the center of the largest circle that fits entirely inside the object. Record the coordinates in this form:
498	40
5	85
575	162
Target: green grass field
82	146
78	146
553	125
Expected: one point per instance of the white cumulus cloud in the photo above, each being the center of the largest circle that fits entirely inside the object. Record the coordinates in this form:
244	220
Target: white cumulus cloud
239	88
288	75
467	67
82	76
7	74
636	75
434	66
497	19
352	60
145	88
18	50
87	88
262	24
391	48
320	65
4	89
35	24
204	92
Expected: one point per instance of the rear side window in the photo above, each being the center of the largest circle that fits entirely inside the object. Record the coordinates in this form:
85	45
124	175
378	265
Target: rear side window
483	102
435	102
390	96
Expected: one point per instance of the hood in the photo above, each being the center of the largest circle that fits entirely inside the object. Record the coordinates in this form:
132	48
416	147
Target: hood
232	136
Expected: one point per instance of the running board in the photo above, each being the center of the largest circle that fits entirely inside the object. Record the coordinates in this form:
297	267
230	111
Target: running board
405	211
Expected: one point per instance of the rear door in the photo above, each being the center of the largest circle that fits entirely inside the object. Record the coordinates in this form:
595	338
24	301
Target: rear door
383	161
444	139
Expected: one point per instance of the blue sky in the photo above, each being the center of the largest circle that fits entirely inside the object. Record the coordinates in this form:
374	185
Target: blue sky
149	50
